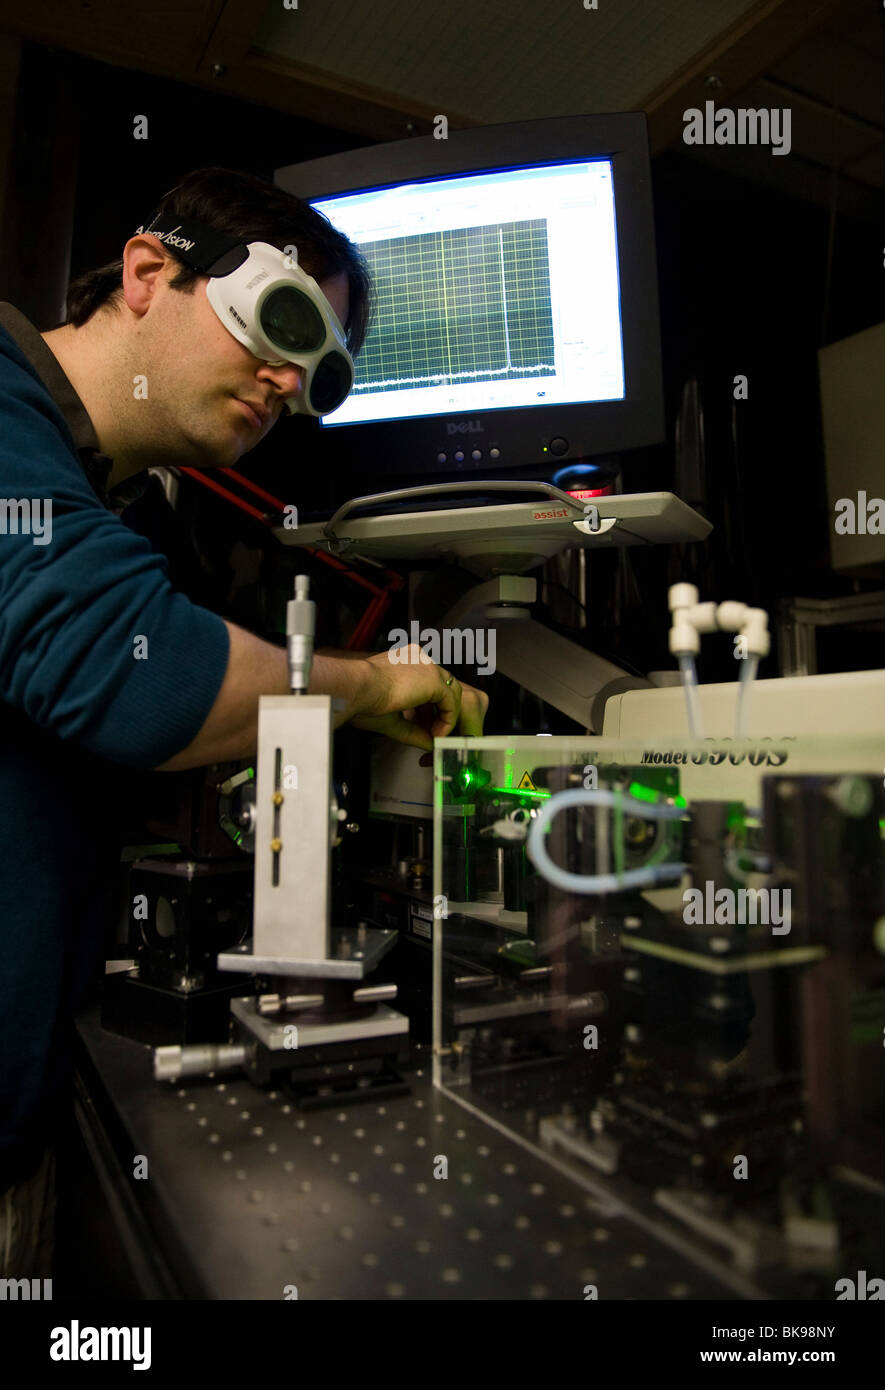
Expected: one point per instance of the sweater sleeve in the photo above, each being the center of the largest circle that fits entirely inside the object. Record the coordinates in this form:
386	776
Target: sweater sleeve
95	644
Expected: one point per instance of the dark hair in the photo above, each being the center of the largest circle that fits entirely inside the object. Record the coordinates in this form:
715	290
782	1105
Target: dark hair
249	209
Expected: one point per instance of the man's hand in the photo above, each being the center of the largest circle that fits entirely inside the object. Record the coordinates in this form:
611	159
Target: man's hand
413	701
408	700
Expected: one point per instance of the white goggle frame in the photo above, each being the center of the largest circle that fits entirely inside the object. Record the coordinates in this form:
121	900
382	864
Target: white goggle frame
238	299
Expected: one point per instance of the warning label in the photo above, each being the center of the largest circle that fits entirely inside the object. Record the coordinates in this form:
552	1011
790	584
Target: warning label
525	783
421	921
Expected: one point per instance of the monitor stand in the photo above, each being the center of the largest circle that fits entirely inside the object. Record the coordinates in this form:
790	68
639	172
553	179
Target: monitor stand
512	537
498	544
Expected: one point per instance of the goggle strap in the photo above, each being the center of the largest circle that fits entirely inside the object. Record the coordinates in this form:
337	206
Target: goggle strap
202	248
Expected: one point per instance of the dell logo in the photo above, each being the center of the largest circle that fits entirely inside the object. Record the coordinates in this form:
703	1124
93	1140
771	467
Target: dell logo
465	427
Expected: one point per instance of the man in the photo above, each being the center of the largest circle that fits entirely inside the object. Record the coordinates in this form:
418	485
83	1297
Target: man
143	373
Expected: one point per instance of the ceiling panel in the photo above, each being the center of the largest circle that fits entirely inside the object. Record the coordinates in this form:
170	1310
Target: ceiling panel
834	84
840	73
818	131
870	167
165	33
502	60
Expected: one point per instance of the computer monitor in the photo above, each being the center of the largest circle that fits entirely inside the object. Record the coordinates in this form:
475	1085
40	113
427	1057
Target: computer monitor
517	310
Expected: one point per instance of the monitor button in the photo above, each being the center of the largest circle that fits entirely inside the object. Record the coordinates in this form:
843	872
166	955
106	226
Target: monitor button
442	458
476	455
459	456
494	453
559	446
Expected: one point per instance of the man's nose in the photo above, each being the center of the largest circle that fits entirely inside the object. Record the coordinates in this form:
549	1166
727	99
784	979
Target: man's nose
286	379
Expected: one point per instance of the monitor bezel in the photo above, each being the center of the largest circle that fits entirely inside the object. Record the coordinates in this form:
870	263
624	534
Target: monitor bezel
523	435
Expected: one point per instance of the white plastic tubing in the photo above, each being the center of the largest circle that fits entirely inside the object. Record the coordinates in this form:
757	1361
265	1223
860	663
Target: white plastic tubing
690	619
597	883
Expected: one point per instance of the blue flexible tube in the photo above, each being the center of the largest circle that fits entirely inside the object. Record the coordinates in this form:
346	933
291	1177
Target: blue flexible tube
692	702
597	883
742	715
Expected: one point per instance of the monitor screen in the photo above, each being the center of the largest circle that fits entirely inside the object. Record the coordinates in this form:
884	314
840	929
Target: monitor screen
516	325
494	290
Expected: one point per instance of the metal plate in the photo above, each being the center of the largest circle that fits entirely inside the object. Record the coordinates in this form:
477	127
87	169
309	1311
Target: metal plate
345	1204
383	1022
535	527
355	957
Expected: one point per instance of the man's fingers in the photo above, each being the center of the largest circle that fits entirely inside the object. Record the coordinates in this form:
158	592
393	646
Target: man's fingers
404	731
474	704
448	706
467	718
419	701
397	727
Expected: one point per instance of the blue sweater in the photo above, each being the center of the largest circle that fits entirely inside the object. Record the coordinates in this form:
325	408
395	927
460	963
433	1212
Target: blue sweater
77	709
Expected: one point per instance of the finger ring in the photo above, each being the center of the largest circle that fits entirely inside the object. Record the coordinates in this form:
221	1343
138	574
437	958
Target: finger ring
449	681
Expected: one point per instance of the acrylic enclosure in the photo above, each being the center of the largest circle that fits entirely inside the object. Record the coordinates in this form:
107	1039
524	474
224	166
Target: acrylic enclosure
652	961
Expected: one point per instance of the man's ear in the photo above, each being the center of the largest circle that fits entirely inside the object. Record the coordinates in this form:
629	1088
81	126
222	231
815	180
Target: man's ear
145	260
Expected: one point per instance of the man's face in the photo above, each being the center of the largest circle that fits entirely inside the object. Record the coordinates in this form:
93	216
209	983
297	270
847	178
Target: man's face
215	398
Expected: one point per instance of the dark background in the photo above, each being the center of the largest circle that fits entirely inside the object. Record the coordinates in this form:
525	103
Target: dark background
752	281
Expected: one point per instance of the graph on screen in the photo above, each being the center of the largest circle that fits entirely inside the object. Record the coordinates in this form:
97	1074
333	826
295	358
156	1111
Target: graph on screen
469	304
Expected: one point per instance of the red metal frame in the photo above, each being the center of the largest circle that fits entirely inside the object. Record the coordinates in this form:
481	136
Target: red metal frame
366	629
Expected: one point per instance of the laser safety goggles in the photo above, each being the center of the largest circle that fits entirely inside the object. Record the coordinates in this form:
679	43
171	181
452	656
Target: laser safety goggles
270	305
